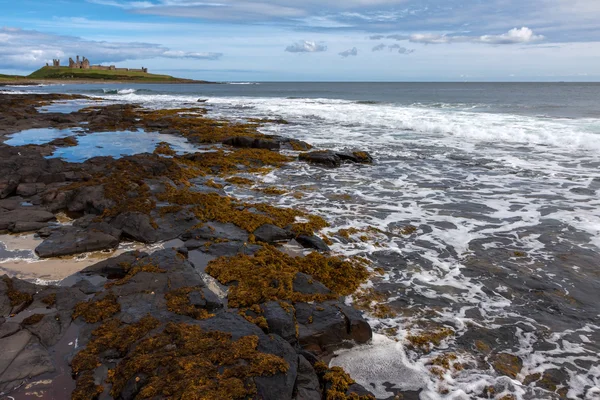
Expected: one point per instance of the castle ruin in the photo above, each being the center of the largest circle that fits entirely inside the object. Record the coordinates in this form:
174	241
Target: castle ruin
85	64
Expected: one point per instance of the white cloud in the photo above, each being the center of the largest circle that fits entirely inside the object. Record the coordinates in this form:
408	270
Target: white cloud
31	49
306	46
514	36
351	52
379	47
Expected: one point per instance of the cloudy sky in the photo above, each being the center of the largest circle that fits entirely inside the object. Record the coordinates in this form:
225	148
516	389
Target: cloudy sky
312	40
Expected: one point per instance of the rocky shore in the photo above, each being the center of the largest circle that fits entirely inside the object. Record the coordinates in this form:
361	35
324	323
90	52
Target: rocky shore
223	311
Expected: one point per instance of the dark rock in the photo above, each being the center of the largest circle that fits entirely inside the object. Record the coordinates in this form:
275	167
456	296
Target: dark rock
280	321
72	240
327	158
253	143
31	361
8	186
358	328
136	226
272	234
307	382
205	298
215	230
305	284
52	178
358	157
312	242
324	328
30	189
89	200
47	330
280	386
9	219
21	227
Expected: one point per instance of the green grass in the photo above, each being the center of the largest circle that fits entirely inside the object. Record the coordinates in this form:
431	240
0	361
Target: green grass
66	73
9	77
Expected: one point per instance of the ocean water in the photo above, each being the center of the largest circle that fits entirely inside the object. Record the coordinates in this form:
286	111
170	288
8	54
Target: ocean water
501	182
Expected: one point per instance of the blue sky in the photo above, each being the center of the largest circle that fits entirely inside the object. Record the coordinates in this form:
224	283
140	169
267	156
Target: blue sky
312	40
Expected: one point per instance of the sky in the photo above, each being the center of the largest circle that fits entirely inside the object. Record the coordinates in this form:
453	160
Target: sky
311	40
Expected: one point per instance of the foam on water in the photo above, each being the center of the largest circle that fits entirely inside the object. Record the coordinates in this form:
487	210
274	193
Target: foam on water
508	232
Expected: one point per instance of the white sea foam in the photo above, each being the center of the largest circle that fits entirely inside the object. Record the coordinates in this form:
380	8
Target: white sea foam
467	181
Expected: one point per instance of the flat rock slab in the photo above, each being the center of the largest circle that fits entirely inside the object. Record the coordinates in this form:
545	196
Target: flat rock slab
9	219
72	240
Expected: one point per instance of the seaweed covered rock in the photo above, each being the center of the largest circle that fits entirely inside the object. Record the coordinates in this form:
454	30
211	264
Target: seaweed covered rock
331	158
327	158
252	143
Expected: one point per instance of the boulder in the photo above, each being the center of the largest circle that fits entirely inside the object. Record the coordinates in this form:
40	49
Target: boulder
70	240
281	322
252	143
211	231
306	284
326	158
307	382
8	186
89	200
136	226
312	242
30	189
357	157
269	233
9	219
324	327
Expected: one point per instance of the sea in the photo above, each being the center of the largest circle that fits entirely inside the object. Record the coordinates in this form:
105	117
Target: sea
481	212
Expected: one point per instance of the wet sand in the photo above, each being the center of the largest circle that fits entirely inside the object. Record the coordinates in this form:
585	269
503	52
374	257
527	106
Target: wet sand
18	259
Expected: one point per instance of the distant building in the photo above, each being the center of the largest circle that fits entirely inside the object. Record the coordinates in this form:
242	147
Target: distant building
85	64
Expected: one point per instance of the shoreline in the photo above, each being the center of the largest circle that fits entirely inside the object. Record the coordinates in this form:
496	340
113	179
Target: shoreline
38	82
223	246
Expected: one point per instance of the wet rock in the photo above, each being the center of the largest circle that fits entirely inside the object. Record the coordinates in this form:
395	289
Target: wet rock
8	186
324	328
31	361
280	386
327	158
204	298
507	364
89	200
280	321
9	219
72	240
214	231
136	226
305	284
47	330
357	157
312	242
307	382
69	141
552	378
269	233
30	189
252	143
21	227
11	347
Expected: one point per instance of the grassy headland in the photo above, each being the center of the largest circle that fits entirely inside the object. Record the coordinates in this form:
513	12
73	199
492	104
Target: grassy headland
62	74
